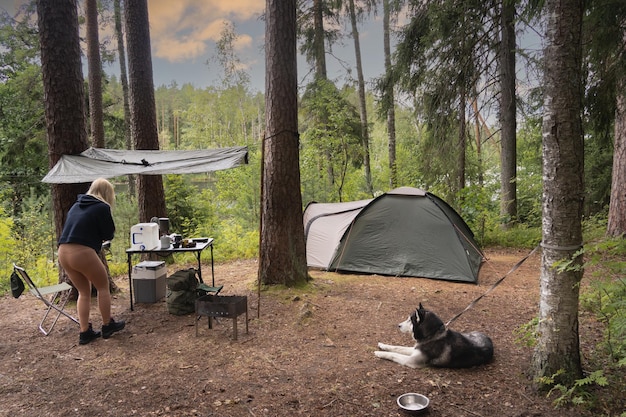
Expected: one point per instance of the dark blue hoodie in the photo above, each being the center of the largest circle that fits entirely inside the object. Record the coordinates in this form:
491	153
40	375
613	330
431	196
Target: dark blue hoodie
89	222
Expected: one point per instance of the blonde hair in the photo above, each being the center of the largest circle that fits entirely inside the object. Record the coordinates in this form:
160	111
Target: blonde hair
103	190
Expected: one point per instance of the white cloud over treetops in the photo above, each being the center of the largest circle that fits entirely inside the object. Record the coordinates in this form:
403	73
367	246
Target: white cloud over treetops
183	29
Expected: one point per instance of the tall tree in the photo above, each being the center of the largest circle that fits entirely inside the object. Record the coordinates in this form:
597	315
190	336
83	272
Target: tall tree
507	114
94	66
389	101
150	193
316	31
235	80
121	52
318	39
617	207
282	257
315	35
557	347
331	126
606	43
443	52
365	137
64	94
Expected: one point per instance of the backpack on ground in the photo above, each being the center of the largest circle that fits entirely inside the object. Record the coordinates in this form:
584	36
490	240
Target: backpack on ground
182	292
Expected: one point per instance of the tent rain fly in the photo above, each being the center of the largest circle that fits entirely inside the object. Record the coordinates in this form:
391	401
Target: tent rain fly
107	163
406	232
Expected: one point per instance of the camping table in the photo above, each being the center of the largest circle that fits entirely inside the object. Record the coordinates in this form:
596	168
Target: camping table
200	246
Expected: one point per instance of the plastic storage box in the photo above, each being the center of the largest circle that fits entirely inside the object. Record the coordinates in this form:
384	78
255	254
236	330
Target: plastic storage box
149	281
144	236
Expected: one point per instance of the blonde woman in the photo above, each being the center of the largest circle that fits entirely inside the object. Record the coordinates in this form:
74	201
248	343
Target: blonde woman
88	224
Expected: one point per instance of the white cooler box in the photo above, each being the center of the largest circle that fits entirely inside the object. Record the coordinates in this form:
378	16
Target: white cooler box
149	281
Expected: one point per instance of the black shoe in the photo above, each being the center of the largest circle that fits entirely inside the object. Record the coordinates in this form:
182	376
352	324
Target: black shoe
112	327
87	336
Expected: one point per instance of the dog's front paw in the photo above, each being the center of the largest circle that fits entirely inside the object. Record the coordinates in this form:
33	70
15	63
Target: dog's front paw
379	354
383	346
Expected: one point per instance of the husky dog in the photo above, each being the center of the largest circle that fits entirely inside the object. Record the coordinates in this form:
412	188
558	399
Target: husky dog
437	346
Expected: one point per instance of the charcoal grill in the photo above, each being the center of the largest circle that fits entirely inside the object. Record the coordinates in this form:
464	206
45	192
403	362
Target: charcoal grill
222	306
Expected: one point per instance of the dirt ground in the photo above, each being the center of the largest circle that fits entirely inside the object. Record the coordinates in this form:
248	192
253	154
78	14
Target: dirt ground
307	353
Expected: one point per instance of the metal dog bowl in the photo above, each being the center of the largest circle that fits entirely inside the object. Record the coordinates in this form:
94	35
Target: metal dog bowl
413	403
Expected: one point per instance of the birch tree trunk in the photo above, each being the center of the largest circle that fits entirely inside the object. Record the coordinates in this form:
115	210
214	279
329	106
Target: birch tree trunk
557	347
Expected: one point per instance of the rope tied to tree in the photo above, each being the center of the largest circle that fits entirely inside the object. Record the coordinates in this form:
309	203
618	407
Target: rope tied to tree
295	134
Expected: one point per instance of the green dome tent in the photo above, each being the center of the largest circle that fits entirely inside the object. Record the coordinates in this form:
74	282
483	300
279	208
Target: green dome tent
405	232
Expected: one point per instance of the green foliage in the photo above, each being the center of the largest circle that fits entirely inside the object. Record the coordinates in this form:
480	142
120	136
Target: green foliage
125	215
28	241
595	226
604	60
23	148
477	208
226	56
8	248
34	231
526	334
603	298
235	242
606	297
571	264
578	393
519	236
529	173
180	200
237	211
331	143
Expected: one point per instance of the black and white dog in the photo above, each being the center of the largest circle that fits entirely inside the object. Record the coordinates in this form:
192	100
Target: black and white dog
437	346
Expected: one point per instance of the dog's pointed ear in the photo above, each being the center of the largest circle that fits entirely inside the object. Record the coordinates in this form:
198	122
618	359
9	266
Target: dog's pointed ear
421	312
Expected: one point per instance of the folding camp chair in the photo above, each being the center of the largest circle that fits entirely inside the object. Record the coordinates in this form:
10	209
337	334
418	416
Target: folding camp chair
55	297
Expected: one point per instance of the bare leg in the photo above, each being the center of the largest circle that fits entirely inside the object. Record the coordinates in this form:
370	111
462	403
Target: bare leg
100	280
84	268
67	256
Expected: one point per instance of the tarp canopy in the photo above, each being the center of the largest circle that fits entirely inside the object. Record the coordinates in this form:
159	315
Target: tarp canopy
97	163
405	232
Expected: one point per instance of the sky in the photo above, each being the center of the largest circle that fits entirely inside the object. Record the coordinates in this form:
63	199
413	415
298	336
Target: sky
183	35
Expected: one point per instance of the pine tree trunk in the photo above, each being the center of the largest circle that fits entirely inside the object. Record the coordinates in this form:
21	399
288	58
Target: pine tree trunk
94	66
390	97
121	52
557	347
508	154
318	40
64	93
365	139
150	194
64	96
282	257
617	207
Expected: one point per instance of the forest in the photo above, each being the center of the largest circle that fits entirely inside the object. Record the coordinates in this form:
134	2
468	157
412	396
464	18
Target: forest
460	112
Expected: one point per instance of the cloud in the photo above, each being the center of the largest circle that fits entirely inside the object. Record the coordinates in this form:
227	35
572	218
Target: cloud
184	29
